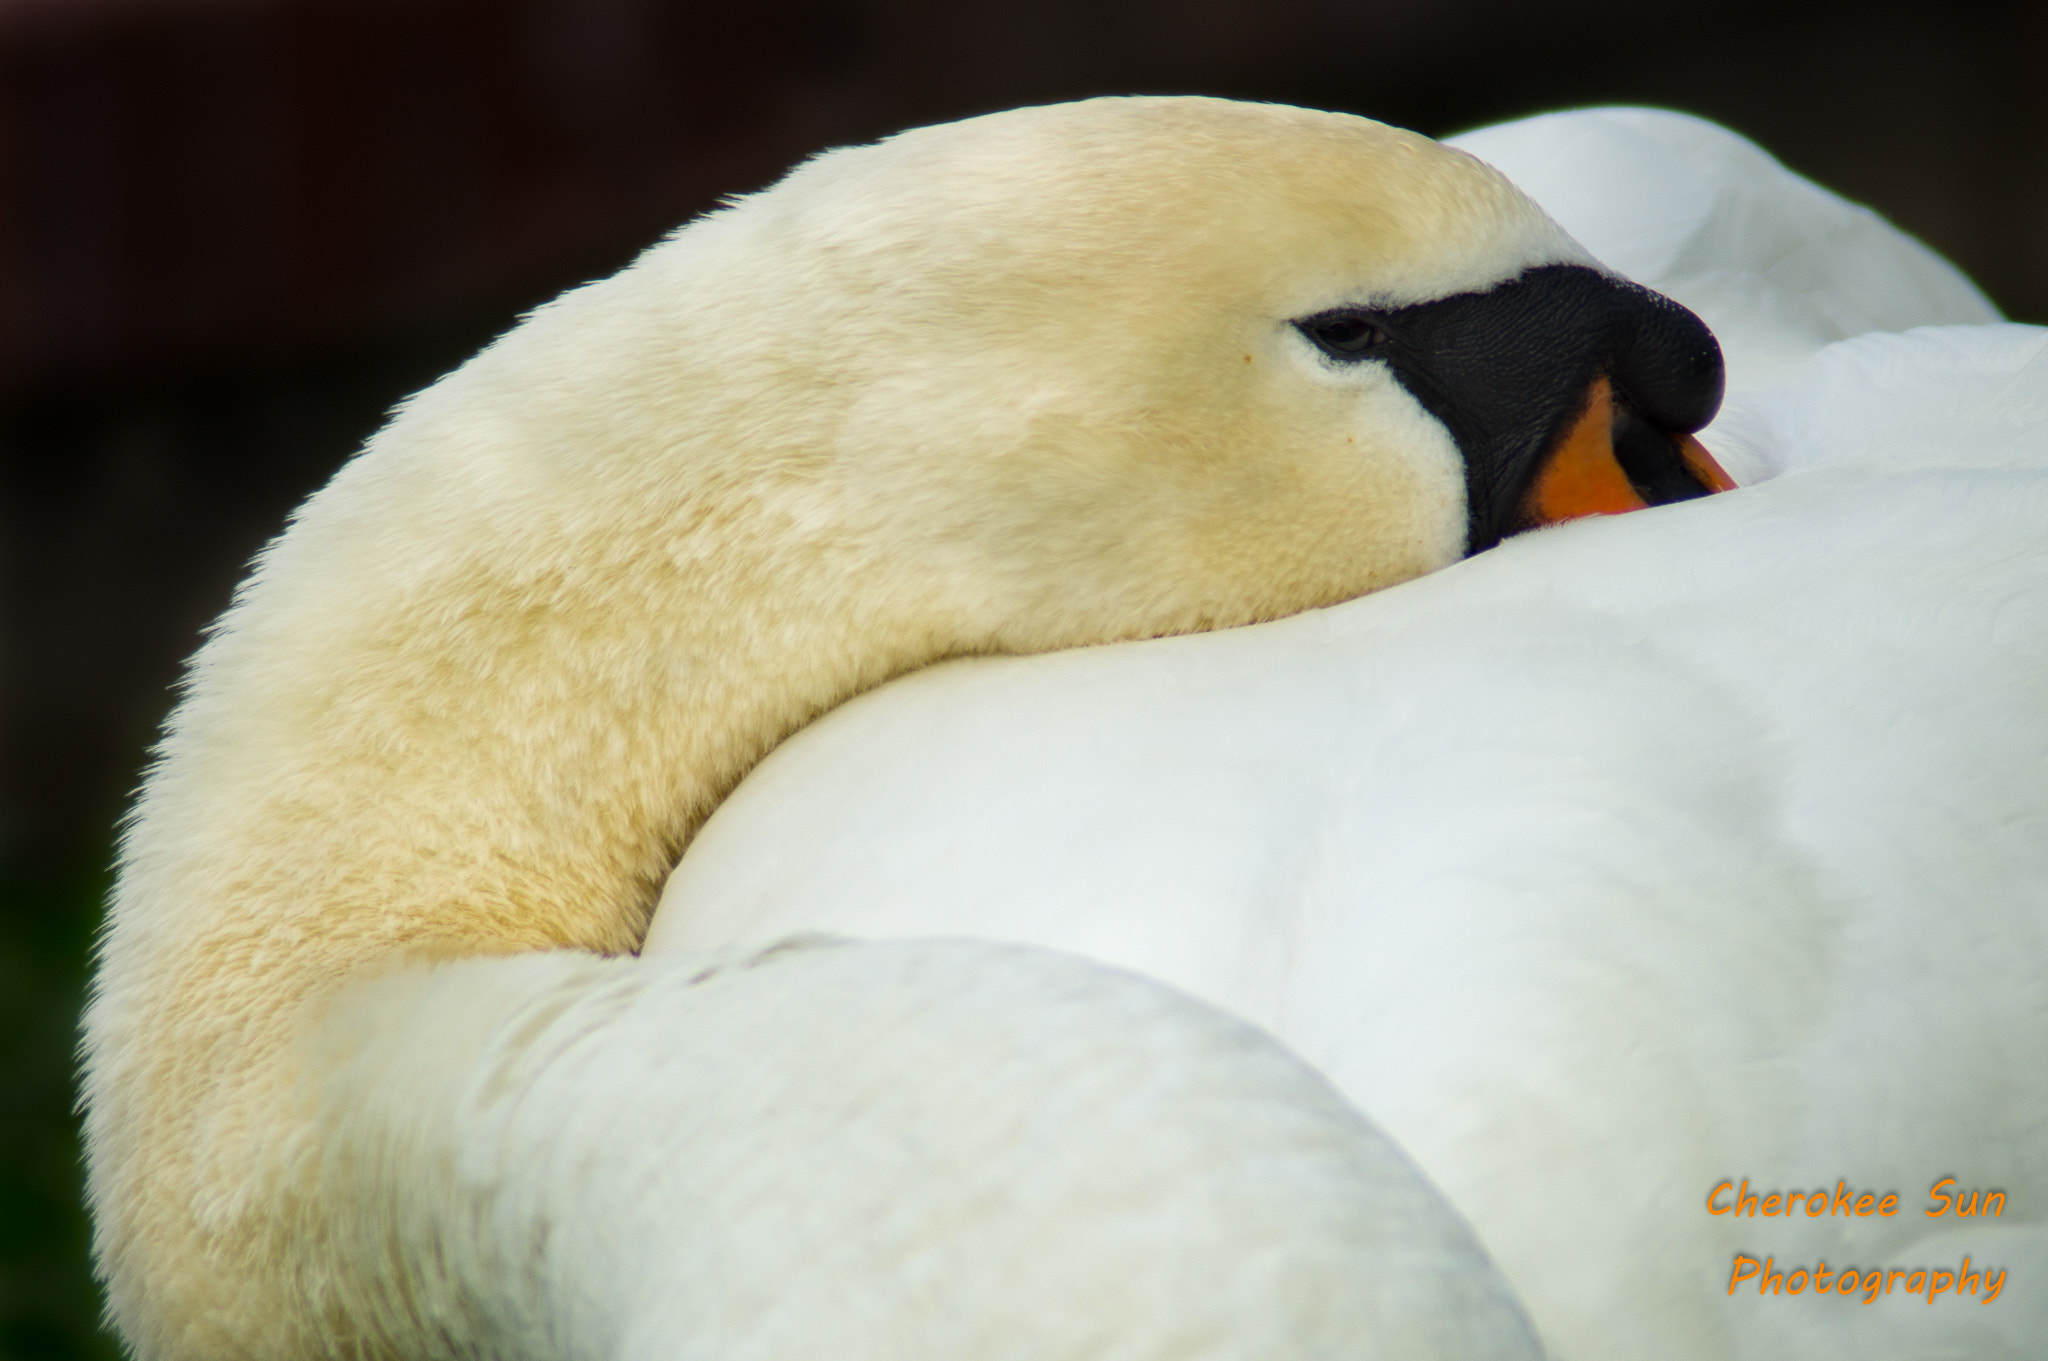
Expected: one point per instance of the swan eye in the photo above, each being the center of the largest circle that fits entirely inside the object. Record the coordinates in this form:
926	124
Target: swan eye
1345	335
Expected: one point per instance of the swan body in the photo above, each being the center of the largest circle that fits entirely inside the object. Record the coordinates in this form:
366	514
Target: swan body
1635	855
1043	379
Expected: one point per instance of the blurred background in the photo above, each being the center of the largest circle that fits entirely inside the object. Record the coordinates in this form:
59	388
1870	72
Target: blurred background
234	232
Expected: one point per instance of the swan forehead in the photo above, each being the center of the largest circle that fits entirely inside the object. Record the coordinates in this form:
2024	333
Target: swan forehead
1168	203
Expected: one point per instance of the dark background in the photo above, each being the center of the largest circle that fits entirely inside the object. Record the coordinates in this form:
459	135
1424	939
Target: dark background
234	232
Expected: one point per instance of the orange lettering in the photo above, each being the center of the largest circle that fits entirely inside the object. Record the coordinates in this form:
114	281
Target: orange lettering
1890	1204
1937	1193
1863	1203
1714	1209
1738	1276
1771	1203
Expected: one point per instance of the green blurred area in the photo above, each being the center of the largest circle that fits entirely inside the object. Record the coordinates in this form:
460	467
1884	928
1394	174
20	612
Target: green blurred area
49	1304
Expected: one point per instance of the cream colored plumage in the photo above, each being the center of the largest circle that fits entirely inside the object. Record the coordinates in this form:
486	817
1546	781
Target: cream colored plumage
1023	383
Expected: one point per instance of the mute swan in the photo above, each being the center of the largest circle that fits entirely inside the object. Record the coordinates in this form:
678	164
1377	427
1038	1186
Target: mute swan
1632	856
1060	376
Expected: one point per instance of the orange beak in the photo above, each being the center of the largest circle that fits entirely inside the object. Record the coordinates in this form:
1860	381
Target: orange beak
1582	476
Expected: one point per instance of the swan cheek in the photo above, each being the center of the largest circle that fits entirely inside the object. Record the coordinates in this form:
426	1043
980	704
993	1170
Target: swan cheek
1400	477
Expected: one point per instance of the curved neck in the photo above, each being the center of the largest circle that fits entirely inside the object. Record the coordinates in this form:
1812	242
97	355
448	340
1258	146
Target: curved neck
385	755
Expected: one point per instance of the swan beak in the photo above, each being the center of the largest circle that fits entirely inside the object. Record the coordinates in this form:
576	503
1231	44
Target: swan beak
1702	465
1610	463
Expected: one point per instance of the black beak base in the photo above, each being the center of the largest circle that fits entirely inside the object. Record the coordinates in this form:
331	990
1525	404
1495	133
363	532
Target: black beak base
1508	369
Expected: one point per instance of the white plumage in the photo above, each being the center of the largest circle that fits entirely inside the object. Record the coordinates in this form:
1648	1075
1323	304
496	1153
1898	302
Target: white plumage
930	1149
1706	842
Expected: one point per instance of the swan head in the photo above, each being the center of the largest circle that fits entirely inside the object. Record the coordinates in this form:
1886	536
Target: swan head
1122	367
